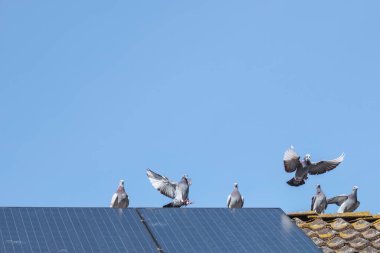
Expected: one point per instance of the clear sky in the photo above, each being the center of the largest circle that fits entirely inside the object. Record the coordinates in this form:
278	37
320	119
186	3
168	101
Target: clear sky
96	91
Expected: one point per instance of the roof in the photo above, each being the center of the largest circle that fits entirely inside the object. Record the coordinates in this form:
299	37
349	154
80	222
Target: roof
52	229
345	232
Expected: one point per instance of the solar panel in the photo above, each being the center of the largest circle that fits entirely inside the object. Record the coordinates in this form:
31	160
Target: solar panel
225	230
73	230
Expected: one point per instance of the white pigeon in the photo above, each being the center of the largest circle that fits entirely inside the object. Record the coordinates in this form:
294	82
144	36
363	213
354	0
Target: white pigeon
235	199
120	197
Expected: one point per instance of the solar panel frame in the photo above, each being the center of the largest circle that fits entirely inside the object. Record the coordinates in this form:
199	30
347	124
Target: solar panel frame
73	230
225	230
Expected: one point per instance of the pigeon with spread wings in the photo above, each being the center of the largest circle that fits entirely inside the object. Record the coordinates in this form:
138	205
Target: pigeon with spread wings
179	192
305	166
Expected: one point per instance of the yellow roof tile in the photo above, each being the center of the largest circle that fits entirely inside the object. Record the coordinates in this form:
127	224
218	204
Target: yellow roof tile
345	215
318	241
359	243
298	221
349	234
371	234
317	224
346	249
336	243
339	224
300	214
327	249
376	224
361	225
369	249
376	244
310	233
326	233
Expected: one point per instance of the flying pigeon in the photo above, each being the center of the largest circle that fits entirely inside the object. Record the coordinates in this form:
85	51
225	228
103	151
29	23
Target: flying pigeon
120	197
235	200
179	192
305	166
347	203
318	202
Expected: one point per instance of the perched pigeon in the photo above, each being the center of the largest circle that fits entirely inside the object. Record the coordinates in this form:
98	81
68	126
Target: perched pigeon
120	197
318	202
235	200
179	192
347	203
303	168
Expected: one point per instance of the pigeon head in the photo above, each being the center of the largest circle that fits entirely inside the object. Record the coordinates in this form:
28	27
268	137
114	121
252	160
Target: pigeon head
186	179
121	186
318	188
355	188
307	158
236	185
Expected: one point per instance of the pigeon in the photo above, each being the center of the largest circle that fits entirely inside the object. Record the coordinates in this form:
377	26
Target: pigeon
120	197
347	203
305	166
318	202
179	192
235	200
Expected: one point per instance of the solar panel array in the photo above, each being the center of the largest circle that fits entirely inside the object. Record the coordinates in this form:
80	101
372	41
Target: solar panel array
149	230
226	230
73	230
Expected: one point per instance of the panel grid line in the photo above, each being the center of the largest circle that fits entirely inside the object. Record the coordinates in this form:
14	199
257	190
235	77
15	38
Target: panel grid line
66	230
50	229
41	229
158	247
18	241
9	233
91	231
32	228
80	226
76	232
199	230
25	230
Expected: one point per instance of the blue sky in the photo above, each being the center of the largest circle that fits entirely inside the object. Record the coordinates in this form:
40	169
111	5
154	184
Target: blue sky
92	92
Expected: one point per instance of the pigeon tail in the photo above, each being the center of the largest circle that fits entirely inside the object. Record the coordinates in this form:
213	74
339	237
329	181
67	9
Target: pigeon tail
294	182
171	205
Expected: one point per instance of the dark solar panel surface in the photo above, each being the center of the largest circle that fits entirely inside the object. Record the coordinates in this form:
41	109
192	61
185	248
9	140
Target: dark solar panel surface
226	230
73	230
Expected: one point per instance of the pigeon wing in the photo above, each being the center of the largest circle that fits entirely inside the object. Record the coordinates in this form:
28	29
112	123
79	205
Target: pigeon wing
338	200
291	160
242	201
357	205
312	203
228	201
114	200
324	166
162	184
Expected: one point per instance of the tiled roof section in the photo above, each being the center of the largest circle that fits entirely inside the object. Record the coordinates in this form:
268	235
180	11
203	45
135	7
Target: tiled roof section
346	232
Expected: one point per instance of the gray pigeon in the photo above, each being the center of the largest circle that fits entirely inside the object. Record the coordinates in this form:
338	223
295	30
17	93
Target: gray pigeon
235	200
347	203
179	192
120	197
305	166
318	202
